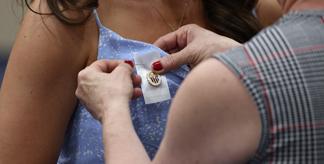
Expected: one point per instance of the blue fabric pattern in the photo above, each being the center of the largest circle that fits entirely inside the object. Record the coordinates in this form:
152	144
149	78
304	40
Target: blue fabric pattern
83	141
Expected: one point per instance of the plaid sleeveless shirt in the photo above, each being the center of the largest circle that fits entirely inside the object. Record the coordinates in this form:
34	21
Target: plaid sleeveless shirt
283	69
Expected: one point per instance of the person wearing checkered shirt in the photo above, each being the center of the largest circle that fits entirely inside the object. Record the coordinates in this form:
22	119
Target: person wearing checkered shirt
260	102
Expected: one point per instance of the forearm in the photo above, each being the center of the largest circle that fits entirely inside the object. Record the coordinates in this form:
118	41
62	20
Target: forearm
121	142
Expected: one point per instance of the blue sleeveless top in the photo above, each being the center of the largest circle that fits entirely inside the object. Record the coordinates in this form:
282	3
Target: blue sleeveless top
83	141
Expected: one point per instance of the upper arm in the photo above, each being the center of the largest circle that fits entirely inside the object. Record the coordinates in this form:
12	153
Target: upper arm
37	93
212	119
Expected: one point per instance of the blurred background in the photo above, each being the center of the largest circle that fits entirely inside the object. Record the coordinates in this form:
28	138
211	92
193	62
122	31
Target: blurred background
10	17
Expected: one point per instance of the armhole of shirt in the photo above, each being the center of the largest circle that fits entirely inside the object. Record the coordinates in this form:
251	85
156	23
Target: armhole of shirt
236	65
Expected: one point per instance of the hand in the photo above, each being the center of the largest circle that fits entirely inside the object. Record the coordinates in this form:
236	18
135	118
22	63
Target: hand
190	45
106	83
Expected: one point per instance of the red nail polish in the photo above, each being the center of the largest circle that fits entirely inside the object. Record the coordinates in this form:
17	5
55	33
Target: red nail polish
129	62
157	66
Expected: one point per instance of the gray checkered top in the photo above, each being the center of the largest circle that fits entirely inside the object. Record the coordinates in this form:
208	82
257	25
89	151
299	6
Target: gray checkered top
283	69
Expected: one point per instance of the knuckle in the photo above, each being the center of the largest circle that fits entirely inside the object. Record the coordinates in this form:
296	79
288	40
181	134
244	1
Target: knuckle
164	42
189	26
170	61
193	26
77	92
83	74
191	59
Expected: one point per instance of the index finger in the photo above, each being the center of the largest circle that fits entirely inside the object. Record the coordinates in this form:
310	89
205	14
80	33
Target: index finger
167	42
176	40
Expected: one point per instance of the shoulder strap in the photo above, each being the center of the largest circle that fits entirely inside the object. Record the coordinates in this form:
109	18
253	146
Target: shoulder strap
97	18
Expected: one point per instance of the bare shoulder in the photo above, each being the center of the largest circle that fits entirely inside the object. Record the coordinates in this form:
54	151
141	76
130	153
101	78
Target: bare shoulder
37	94
48	32
212	119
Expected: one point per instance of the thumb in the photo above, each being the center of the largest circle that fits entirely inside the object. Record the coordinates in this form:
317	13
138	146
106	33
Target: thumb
106	66
123	69
170	62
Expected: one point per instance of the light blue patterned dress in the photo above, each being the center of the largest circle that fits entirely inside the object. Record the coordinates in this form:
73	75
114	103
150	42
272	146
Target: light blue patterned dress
83	141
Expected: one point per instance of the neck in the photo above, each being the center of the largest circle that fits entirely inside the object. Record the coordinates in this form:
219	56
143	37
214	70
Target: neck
298	5
173	6
146	23
176	7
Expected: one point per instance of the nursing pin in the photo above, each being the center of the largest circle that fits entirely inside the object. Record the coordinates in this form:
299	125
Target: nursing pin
154	79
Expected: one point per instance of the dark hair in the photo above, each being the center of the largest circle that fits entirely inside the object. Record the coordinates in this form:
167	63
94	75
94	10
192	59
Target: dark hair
58	7
233	19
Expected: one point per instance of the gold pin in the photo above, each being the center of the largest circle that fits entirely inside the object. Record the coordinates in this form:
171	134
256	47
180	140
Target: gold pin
154	79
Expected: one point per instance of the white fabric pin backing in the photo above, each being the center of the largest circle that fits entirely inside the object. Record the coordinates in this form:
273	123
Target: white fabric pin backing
152	94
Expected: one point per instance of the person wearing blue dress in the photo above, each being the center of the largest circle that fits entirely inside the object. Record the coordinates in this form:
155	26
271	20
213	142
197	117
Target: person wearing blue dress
83	143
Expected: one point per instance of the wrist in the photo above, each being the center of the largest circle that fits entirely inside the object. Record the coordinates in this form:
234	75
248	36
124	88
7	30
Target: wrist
115	108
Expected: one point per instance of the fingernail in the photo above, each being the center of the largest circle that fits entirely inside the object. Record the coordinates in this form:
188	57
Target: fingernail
157	66
129	62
